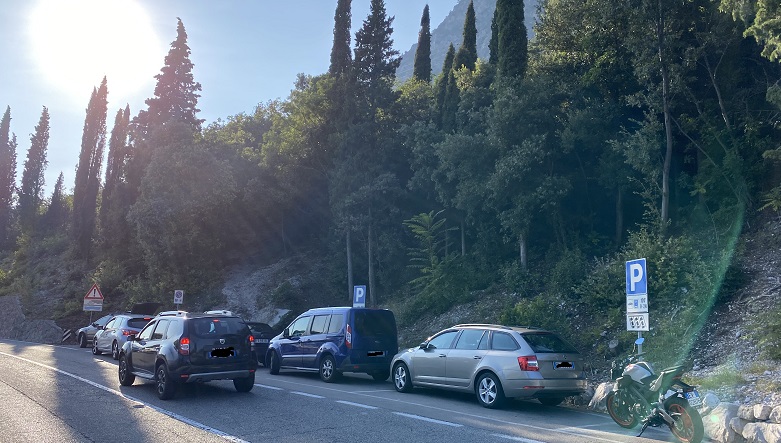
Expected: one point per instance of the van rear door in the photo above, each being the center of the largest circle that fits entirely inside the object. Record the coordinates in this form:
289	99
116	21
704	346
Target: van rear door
373	334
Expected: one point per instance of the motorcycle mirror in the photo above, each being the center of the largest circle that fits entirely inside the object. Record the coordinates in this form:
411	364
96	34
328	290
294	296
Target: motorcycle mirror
640	341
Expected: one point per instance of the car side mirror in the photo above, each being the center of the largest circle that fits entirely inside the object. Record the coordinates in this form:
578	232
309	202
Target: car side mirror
131	337
285	334
424	345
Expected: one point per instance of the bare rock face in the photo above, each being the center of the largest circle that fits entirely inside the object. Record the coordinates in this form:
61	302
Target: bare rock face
717	423
16	327
762	433
746	412
775	415
762	412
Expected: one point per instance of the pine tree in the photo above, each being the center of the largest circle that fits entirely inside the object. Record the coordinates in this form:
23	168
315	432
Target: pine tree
422	66
176	92
31	191
375	59
467	53
7	174
512	43
341	57
85	190
442	82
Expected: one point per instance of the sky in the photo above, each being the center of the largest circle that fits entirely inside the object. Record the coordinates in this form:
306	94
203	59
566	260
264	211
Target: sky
245	52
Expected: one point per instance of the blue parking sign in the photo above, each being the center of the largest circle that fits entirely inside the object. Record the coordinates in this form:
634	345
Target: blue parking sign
359	296
636	277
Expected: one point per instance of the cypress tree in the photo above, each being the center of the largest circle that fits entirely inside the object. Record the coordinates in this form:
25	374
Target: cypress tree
375	59
442	82
422	66
450	105
85	190
493	44
7	174
340	51
30	192
512	44
115	162
467	53
56	216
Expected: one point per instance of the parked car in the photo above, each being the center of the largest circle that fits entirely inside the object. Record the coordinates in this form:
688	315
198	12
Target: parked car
263	334
495	362
179	347
114	335
331	341
86	334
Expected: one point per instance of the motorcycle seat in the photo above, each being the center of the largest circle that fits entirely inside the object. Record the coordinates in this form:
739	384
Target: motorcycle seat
665	376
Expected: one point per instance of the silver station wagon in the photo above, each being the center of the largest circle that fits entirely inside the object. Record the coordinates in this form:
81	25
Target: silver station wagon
495	362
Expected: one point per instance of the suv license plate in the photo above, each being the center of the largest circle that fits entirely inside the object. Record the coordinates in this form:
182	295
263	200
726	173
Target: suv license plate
223	352
563	365
693	398
261	340
376	353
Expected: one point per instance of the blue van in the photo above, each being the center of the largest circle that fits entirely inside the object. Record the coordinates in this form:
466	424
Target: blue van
336	340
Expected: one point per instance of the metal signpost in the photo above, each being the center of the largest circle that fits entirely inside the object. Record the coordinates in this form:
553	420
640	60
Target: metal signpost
637	299
178	298
359	296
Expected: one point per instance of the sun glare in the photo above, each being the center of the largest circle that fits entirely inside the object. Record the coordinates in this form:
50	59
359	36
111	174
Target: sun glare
76	42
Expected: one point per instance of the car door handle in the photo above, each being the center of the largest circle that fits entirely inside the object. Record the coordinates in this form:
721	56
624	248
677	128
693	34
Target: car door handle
442	355
477	357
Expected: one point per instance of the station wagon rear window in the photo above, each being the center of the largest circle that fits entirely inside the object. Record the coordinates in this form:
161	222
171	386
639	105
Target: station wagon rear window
542	342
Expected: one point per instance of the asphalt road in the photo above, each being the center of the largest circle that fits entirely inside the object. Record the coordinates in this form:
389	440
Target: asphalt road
65	394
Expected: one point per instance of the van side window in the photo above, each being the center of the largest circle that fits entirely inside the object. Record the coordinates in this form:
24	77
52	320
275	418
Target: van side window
469	339
337	321
503	342
319	324
298	327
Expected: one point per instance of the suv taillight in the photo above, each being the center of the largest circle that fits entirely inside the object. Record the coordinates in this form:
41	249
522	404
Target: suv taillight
528	363
184	346
251	341
348	336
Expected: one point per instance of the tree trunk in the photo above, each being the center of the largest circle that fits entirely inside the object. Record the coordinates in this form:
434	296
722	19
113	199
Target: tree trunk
463	240
371	292
349	265
668	130
619	217
522	251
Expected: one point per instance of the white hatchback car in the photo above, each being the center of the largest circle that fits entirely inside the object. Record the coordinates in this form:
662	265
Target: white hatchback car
495	362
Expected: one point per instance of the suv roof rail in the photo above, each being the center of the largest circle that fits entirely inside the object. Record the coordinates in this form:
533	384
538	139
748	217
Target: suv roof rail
482	324
219	312
172	313
530	327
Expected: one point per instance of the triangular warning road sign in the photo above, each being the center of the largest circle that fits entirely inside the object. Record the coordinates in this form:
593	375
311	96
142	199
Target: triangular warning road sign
94	293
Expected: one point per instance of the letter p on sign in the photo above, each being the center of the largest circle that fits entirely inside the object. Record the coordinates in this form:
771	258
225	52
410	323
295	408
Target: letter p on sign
636	277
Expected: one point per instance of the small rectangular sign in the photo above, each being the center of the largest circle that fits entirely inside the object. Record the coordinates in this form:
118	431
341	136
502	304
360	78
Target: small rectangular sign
359	296
636	277
93	304
637	322
636	303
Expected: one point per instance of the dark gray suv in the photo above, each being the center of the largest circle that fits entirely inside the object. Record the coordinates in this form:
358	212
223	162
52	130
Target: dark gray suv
180	347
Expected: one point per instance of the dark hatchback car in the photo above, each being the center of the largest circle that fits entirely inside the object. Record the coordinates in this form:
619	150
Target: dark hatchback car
178	347
263	334
336	340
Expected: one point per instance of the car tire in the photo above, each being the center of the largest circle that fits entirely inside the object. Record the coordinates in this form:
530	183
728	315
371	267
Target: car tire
489	391
82	340
328	372
273	366
115	350
402	381
95	350
380	375
244	384
126	377
166	386
551	401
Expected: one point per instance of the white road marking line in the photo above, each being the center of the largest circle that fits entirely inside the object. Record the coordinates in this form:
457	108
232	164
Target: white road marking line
173	415
513	438
269	387
355	404
430	420
306	394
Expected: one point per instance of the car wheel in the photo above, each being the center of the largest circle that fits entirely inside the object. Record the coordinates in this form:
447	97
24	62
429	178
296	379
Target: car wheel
551	401
380	375
82	340
115	351
489	391
401	378
273	367
166	386
244	384
328	372
95	349
126	378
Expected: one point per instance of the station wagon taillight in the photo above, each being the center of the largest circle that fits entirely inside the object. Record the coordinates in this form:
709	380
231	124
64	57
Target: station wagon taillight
184	346
528	363
348	336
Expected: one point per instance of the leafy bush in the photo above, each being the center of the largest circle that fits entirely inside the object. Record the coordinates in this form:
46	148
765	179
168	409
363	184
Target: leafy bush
543	311
767	333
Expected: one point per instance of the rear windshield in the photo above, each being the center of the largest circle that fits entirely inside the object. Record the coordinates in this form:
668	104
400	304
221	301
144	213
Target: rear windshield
138	323
544	342
375	323
207	327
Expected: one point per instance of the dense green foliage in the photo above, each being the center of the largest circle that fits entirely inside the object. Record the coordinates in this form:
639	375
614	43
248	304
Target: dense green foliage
422	67
533	175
